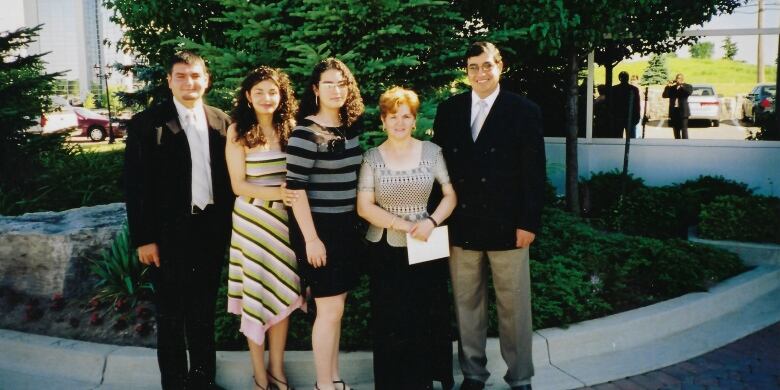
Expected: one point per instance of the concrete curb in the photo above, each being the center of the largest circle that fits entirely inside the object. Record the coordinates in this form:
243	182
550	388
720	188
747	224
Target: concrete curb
587	353
752	253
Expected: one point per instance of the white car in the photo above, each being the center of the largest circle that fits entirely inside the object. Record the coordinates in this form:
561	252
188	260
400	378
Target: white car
60	119
704	104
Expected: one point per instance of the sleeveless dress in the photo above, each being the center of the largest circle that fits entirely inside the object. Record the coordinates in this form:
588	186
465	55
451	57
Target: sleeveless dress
263	282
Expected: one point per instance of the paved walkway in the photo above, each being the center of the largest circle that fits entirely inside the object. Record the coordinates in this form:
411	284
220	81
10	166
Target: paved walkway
751	363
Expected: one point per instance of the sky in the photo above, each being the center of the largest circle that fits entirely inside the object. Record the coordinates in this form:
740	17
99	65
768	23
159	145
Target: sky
12	17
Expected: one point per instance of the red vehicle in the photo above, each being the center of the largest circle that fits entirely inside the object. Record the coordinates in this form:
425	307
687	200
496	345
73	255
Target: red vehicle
95	126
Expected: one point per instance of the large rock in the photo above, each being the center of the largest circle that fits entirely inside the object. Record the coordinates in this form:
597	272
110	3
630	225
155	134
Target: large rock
48	252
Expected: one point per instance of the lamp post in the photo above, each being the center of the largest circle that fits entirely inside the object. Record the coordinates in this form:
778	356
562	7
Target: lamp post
100	74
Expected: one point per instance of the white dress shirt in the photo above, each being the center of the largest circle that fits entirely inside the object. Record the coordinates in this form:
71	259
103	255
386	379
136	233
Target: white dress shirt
475	99
193	122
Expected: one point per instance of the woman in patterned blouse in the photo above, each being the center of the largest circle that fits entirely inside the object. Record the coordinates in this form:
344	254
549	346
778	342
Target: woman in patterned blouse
409	303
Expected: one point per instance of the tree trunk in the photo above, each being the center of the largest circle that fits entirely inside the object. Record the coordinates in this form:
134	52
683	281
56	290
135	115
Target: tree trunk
572	169
608	68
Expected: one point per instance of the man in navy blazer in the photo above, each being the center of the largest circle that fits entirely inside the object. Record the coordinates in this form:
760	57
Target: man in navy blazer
493	144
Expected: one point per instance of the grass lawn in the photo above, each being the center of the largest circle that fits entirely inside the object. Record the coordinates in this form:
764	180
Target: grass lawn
103	146
729	77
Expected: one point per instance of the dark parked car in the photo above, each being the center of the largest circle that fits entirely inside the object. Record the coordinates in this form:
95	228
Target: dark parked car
760	101
95	126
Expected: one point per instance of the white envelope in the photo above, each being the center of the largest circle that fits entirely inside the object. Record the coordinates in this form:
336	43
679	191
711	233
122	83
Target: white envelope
437	246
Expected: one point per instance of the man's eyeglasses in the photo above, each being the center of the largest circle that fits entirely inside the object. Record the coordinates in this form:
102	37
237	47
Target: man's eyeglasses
331	86
486	67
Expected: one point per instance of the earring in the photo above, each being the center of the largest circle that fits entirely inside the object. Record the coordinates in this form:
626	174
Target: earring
249	105
316	101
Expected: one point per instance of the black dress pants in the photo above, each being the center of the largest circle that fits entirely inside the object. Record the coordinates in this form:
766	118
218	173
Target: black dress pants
410	321
679	124
185	286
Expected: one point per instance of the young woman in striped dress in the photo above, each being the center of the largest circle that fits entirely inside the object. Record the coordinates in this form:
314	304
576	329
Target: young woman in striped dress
323	158
263	285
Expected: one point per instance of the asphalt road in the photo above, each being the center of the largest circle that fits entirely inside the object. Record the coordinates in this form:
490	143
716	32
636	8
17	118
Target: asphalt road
728	129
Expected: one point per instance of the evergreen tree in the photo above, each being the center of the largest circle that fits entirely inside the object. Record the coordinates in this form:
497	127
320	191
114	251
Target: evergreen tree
701	50
25	88
656	72
409	43
729	49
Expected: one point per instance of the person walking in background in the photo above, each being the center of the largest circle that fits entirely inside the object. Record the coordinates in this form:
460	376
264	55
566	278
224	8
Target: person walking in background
178	208
624	100
410	317
493	145
323	159
263	283
601	113
634	80
677	91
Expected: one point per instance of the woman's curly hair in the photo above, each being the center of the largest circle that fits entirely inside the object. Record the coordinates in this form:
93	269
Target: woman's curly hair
352	108
247	131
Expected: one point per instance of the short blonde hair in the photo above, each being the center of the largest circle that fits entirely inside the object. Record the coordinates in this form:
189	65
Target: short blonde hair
395	97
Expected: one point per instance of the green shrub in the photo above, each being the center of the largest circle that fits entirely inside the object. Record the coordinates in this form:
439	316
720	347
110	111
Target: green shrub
754	218
120	275
704	190
68	177
601	191
651	212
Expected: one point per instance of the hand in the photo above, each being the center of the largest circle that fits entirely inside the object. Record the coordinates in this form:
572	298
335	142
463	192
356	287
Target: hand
315	253
422	230
149	254
524	238
288	196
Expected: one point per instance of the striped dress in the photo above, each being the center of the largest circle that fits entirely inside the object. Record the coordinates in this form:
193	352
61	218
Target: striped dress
263	282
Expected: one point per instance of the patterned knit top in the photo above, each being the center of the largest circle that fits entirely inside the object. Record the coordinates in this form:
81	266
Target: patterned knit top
324	161
403	193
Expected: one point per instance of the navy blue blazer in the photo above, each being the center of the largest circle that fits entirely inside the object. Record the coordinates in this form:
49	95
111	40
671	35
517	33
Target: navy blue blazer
499	179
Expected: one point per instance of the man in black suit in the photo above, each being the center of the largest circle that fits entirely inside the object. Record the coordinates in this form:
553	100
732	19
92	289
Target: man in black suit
493	144
678	91
179	203
624	97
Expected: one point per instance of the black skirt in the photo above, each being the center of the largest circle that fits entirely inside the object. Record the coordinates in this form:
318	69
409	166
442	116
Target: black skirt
411	321
343	248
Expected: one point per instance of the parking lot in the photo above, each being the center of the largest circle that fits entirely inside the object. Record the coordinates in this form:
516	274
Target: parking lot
728	129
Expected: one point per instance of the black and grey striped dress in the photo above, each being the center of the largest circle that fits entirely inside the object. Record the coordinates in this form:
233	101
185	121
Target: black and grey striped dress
328	172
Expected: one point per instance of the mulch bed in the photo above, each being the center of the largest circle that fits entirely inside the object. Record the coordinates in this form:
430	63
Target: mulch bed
79	318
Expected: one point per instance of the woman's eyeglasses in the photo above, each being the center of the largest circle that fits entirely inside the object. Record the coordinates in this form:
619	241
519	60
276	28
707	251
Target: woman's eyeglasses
331	86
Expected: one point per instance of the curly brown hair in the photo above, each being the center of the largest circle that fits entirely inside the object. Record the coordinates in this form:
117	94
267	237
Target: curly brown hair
351	110
247	131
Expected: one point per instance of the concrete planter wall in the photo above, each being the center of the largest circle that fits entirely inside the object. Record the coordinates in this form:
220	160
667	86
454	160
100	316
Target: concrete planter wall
752	253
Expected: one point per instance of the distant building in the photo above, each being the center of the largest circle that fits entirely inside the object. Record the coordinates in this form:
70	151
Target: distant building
74	32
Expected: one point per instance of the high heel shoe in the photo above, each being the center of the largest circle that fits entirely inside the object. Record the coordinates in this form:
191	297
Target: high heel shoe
344	386
260	386
277	383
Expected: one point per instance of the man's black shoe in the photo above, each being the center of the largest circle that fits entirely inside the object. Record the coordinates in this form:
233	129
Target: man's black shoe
522	387
471	384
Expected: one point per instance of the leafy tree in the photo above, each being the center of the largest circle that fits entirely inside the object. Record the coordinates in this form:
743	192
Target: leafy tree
656	72
702	50
574	28
296	34
730	49
25	88
150	32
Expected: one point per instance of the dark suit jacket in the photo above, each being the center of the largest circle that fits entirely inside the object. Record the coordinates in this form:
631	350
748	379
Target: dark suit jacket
679	94
158	173
499	179
619	95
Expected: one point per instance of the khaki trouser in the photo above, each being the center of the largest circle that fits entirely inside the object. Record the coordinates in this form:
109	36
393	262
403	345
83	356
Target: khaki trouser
511	281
